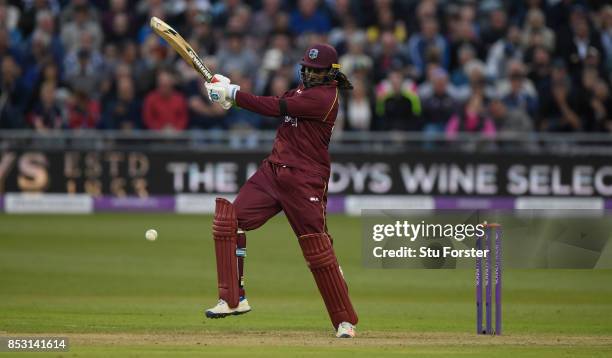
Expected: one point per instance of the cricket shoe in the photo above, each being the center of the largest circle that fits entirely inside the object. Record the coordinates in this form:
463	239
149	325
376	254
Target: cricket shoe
345	330
222	309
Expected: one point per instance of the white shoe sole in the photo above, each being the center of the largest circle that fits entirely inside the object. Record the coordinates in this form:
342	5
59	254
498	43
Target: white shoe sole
345	336
211	314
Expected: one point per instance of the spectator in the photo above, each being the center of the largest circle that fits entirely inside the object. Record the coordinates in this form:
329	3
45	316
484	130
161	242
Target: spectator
386	21
424	9
462	33
536	33
459	76
71	10
356	58
235	56
177	8
12	94
8	18
153	54
593	60
573	45
308	18
504	50
117	8
240	21
440	105
128	55
7	48
120	29
49	73
427	39
263	20
202	35
399	108
85	69
165	108
556	113
426	89
509	121
27	20
222	10
339	36
81	22
276	56
518	9
358	108
602	105
37	54
496	27
83	111
477	82
539	70
388	57
518	92
582	99
123	111
45	23
46	113
471	119
341	11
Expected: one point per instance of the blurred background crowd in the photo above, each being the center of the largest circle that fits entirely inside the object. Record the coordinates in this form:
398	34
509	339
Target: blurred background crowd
435	66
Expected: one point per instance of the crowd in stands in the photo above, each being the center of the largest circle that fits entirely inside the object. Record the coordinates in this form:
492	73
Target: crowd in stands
437	66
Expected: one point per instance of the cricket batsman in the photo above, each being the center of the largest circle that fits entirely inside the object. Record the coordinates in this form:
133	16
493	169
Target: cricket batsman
293	178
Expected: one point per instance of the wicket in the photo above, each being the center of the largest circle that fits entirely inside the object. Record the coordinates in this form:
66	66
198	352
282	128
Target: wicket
490	230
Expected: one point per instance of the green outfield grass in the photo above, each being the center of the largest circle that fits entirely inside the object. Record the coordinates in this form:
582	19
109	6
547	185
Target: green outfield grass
96	279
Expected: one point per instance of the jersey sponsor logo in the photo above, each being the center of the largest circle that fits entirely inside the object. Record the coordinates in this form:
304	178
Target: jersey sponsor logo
314	199
291	121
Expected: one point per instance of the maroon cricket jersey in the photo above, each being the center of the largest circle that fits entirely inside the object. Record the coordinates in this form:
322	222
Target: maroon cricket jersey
303	136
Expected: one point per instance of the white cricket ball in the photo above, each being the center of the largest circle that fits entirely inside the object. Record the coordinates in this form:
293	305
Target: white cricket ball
151	235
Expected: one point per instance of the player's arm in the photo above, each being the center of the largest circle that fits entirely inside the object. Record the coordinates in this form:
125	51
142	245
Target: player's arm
310	105
264	105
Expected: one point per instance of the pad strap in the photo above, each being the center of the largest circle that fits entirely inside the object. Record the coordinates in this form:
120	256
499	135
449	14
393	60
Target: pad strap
241	253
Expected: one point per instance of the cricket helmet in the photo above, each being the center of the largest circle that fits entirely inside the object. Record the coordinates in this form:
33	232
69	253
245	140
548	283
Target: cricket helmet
320	56
319	65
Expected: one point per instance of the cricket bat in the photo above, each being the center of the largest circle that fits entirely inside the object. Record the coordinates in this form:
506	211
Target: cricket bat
181	46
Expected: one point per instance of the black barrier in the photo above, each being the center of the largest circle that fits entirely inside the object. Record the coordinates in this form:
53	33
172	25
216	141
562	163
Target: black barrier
121	173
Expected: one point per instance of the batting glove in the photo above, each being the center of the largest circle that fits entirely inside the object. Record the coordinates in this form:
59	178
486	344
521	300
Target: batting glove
217	78
222	91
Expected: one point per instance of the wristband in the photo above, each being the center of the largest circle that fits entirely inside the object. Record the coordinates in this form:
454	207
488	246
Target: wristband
232	91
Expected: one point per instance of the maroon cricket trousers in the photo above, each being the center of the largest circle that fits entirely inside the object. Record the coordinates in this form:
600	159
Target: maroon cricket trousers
275	187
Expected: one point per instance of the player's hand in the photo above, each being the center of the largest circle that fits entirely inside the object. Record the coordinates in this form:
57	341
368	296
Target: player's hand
222	91
217	93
